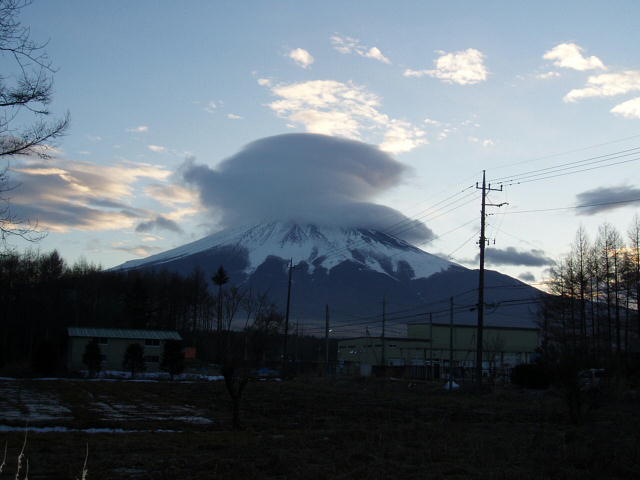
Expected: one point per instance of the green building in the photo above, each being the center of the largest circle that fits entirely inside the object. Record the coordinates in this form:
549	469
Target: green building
428	348
114	342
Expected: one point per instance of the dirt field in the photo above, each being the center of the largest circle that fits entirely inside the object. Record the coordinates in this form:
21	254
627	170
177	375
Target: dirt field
311	429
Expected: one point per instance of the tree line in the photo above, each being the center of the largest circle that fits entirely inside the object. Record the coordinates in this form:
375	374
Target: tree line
41	295
593	312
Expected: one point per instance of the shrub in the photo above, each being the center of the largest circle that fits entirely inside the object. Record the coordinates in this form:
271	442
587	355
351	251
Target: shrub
531	375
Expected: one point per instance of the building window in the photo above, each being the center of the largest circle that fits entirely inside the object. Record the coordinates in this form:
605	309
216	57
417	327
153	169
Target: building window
152	358
152	342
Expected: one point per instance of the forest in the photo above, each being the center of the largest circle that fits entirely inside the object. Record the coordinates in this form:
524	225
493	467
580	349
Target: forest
42	295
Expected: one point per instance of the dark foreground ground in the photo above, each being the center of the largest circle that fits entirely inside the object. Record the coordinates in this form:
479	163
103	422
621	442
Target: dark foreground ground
314	429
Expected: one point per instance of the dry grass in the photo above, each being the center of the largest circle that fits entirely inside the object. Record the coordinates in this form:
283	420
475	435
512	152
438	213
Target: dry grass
319	429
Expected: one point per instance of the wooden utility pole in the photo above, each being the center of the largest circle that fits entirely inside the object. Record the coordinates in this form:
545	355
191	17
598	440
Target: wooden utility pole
326	339
286	320
483	240
384	321
450	343
431	369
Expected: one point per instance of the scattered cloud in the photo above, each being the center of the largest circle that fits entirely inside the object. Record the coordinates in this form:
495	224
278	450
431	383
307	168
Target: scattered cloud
330	107
548	75
607	85
156	148
333	181
264	82
302	57
138	250
487	142
233	116
158	223
211	107
171	195
94	138
615	197
61	194
511	256
628	109
430	121
465	67
527	277
569	55
348	45
139	129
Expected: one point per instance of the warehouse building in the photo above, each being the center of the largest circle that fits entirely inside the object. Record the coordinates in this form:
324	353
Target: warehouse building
430	350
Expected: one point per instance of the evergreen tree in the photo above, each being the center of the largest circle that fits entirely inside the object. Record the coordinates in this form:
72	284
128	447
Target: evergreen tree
92	357
134	359
172	358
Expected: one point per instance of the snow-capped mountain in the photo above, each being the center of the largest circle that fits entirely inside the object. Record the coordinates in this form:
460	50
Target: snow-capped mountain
323	247
350	269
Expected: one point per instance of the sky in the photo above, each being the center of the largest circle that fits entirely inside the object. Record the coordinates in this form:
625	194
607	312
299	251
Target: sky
168	99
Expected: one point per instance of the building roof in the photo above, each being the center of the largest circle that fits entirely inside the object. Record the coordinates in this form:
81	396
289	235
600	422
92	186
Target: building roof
387	339
121	333
464	325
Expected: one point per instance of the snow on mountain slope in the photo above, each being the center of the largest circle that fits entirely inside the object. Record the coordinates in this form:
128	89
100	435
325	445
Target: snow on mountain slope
318	246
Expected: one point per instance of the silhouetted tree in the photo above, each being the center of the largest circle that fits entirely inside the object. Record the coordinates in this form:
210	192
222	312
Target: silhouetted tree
25	90
172	358
92	357
134	359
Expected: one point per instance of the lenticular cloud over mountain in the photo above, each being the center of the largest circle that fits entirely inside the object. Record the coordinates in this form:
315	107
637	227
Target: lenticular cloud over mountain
305	178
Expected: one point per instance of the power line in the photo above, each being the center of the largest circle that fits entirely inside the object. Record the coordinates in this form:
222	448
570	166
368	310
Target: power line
568	165
566	152
632	200
519	182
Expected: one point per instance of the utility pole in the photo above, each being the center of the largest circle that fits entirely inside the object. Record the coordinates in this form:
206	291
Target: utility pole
431	369
384	321
450	343
286	321
485	189
326	339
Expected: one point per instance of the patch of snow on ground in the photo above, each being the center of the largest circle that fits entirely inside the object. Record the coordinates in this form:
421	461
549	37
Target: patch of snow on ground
17	403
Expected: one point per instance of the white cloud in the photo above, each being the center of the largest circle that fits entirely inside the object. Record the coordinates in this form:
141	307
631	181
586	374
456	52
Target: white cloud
628	109
233	116
487	142
348	45
401	137
548	75
156	148
140	129
376	54
569	55
264	82
465	67
301	57
334	108
211	107
607	85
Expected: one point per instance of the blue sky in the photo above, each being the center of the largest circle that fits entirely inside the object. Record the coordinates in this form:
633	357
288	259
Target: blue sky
447	88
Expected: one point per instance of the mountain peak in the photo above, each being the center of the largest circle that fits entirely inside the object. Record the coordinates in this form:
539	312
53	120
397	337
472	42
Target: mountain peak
316	245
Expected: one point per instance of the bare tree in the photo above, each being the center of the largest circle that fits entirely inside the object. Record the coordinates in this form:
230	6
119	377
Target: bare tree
26	90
